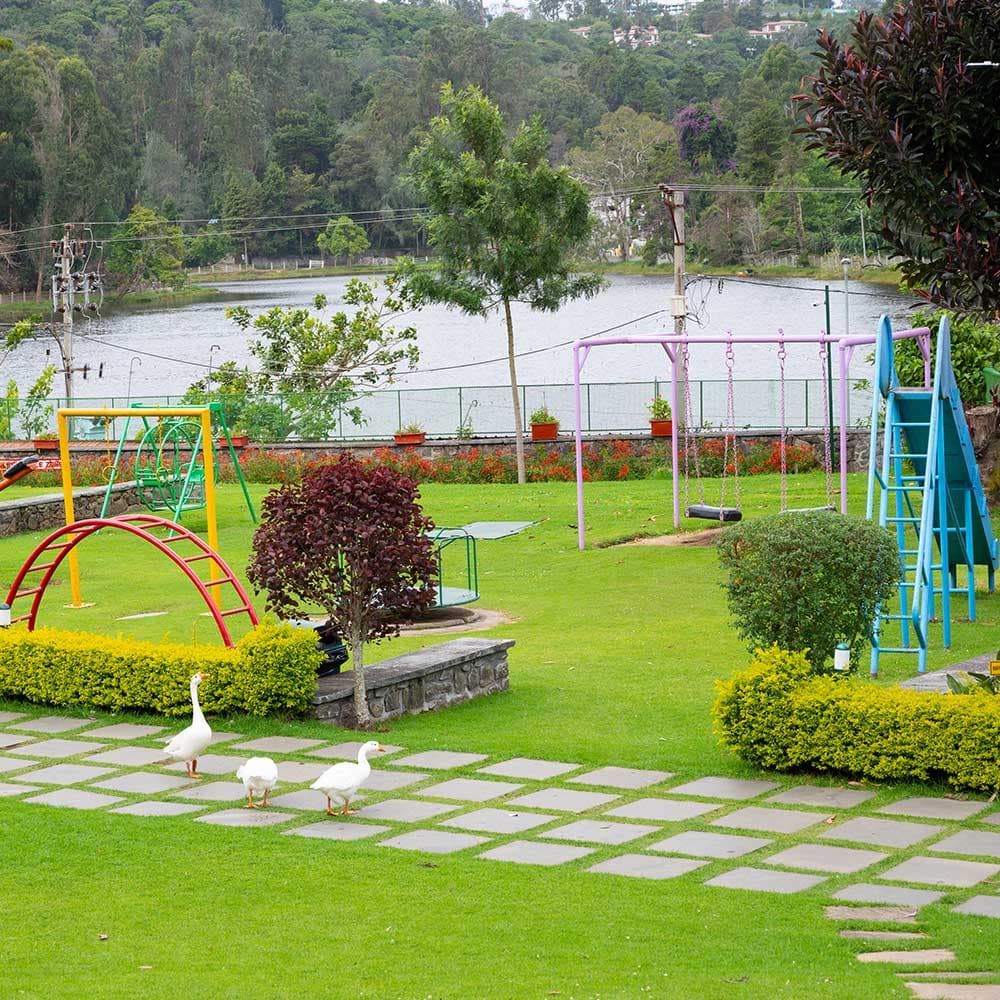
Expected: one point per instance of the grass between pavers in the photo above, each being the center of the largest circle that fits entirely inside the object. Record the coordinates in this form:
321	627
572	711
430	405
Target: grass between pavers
616	652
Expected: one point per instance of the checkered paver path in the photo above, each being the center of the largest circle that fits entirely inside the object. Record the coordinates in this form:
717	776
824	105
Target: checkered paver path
870	855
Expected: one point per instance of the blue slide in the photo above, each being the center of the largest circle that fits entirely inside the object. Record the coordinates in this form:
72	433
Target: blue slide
931	494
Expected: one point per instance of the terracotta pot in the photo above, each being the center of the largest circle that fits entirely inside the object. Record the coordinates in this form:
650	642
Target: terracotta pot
661	428
45	444
404	439
544	432
239	440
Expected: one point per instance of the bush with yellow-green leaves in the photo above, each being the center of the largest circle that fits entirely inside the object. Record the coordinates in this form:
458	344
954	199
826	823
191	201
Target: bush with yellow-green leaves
778	714
271	671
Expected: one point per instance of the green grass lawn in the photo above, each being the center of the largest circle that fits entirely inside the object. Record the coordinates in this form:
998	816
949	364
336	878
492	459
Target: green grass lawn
617	650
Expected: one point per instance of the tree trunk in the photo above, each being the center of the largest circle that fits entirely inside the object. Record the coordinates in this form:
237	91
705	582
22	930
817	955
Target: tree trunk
364	717
515	395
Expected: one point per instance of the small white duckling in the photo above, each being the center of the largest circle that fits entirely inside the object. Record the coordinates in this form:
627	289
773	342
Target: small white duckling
260	775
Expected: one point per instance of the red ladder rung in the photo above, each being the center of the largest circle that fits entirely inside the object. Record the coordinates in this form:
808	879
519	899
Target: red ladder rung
25	593
36	569
235	611
216	583
204	555
23	618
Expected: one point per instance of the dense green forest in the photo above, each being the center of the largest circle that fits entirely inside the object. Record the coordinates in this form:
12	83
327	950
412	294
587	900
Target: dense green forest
258	120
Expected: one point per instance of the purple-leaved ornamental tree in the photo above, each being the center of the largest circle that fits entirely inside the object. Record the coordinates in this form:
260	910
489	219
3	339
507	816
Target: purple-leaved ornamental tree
352	540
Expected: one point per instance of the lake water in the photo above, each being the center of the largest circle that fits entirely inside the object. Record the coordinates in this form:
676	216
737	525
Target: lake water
152	354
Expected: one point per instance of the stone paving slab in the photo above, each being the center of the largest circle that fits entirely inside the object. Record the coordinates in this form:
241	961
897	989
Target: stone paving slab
924	956
527	852
822	858
768	820
52	724
761	880
434	841
980	906
75	798
56	748
883	935
666	810
212	763
872	914
6	717
244	817
881	832
143	783
991	818
278	744
499	821
621	777
710	845
404	811
123	731
439	760
305	798
215	791
294	772
645	866
155	808
8	740
329	830
529	767
222	737
469	789
822	796
128	756
8	790
941	871
15	764
976	842
725	788
65	774
894	895
348	751
953	991
935	808
563	800
389	781
595	831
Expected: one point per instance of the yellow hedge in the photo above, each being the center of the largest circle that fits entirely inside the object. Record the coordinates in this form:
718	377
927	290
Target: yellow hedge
272	669
778	714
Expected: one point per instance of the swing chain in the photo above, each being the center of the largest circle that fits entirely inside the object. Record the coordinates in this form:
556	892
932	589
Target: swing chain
729	434
690	439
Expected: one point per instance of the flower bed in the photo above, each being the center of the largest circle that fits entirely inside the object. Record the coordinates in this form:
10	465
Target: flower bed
614	459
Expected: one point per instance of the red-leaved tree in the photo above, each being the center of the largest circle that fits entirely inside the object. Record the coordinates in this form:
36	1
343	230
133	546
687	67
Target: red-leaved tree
909	107
352	540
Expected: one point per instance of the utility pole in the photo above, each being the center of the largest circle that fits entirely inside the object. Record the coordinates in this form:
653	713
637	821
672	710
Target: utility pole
70	293
864	246
674	202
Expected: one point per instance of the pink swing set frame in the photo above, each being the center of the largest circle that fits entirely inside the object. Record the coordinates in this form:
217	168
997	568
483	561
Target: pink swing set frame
674	344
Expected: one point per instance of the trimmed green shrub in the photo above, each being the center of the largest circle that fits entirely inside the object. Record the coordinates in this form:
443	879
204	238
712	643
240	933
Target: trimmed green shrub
273	669
778	714
808	581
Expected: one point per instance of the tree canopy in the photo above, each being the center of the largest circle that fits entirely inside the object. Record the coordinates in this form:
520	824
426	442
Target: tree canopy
902	107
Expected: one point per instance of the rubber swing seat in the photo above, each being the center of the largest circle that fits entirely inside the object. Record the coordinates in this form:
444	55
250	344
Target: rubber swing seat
714	513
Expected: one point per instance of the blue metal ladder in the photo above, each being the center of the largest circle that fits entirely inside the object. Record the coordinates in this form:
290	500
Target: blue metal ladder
931	494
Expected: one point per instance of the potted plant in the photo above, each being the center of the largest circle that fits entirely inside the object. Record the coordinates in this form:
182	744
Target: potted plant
410	434
544	426
661	422
237	435
46	441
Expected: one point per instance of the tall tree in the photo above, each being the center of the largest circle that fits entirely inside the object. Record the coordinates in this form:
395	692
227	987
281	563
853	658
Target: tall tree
902	109
503	221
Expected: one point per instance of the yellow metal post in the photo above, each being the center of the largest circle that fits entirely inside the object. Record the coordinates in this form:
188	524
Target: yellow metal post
76	600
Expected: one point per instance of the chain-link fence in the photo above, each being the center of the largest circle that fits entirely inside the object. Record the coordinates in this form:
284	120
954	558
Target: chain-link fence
466	411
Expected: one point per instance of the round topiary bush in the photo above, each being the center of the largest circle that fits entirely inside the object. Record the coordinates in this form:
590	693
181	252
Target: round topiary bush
808	581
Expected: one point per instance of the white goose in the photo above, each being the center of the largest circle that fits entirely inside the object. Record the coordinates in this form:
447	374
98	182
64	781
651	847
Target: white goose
187	745
260	775
340	782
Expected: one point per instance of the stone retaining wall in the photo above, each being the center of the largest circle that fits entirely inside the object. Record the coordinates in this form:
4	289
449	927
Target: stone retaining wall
39	513
421	681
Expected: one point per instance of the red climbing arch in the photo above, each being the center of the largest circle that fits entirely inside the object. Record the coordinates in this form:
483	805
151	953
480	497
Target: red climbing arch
165	536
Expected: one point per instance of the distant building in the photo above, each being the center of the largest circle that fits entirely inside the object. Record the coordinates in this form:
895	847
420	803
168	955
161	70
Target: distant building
772	28
637	36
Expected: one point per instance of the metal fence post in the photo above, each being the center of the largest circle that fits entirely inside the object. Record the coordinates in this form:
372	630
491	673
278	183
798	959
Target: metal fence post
806	381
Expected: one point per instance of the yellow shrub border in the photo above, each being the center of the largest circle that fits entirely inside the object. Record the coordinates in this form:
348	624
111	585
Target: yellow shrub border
778	714
271	670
